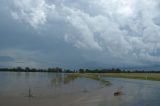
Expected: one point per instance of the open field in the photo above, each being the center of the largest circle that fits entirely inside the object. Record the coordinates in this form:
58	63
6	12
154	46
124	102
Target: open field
143	76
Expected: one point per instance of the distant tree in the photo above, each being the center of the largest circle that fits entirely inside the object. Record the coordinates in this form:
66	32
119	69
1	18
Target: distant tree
67	71
27	69
118	70
81	70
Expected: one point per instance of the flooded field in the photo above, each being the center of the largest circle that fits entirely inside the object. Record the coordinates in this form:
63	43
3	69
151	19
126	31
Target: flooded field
55	89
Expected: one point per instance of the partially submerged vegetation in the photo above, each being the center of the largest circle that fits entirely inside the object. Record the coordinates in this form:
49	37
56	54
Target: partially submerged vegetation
70	77
96	77
30	93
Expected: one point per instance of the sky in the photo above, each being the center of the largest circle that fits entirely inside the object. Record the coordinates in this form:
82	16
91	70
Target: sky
80	33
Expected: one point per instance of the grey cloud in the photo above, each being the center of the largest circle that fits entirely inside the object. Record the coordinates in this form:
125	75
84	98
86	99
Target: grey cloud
103	33
157	21
6	59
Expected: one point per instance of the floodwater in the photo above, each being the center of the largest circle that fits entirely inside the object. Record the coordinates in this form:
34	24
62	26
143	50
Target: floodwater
55	89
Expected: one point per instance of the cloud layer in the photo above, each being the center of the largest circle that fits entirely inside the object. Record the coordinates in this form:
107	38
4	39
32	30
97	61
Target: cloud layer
120	33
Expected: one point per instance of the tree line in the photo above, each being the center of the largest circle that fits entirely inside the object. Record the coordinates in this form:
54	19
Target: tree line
61	70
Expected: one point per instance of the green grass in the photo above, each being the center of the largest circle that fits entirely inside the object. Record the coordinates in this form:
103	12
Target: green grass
143	76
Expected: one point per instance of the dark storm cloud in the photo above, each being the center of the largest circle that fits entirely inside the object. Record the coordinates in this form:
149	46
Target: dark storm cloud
74	34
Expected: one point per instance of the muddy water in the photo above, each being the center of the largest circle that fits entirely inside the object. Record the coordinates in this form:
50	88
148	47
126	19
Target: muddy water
53	89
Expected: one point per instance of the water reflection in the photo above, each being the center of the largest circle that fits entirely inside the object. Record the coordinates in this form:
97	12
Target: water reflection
57	80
